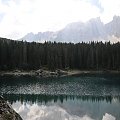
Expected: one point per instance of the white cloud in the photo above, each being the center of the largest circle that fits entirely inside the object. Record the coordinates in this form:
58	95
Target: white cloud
42	15
17	18
111	8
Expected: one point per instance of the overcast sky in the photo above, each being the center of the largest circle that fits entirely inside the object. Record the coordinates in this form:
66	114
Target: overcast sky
19	17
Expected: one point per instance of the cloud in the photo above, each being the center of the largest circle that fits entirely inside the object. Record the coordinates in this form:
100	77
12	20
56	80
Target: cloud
5	2
111	8
21	17
97	4
1	16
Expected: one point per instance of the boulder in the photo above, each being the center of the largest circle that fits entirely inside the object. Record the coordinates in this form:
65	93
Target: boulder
7	112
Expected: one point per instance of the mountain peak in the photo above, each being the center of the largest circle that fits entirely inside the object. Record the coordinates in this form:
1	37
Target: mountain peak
95	20
115	17
75	32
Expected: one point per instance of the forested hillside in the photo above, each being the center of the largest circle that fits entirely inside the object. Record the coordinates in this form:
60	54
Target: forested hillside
83	56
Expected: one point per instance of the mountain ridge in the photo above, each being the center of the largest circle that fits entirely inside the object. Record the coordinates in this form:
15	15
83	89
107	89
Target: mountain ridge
92	30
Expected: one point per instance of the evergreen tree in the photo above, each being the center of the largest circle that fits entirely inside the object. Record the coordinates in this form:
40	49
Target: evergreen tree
52	55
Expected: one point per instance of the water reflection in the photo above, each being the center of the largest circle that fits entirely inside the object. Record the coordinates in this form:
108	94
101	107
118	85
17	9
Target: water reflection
65	107
48	98
84	97
35	112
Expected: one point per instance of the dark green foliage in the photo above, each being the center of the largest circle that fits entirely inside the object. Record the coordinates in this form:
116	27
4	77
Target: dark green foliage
83	56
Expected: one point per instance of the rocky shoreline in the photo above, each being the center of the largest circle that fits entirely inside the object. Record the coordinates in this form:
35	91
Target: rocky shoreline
7	112
56	73
40	73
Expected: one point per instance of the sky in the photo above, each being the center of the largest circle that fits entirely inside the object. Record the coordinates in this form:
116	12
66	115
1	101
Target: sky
19	17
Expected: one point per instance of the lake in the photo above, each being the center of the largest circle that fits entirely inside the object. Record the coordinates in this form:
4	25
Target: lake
80	97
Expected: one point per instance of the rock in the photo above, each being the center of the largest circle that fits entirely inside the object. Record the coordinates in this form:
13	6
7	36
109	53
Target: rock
61	72
7	112
40	72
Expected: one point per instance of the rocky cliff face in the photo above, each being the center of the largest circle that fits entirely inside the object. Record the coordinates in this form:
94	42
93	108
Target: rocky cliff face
40	37
77	32
94	29
113	27
6	111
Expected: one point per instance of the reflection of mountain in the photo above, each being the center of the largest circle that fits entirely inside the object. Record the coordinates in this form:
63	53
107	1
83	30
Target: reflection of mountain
48	98
69	111
43	112
94	29
94	107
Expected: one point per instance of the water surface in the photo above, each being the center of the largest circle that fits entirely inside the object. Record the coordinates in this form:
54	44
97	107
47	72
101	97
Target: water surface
81	97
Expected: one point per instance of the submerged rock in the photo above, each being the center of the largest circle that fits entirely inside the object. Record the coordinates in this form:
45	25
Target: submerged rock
7	112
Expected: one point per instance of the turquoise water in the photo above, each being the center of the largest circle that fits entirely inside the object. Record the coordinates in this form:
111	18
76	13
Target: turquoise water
81	97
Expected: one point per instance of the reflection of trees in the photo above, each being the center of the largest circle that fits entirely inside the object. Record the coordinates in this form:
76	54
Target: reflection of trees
48	98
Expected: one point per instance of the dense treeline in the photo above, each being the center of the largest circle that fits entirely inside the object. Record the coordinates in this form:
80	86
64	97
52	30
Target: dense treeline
83	56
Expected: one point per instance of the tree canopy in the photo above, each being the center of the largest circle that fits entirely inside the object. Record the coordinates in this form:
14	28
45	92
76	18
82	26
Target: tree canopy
52	55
